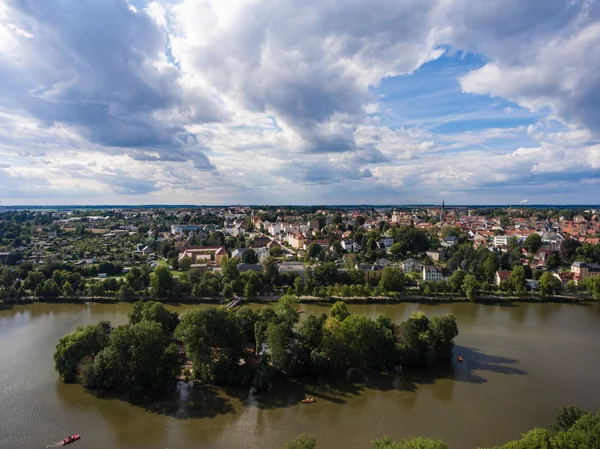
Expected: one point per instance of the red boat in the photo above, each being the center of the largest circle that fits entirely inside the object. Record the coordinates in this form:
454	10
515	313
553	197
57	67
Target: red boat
459	358
70	439
300	311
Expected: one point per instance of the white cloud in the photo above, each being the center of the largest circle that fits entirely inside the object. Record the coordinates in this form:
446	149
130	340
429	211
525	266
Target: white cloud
266	101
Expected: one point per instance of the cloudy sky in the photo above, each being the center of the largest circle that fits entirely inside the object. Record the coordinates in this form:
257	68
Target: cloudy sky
299	102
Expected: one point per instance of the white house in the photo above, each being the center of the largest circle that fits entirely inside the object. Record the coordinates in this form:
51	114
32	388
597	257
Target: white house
432	274
347	244
450	241
386	243
411	266
275	228
500	240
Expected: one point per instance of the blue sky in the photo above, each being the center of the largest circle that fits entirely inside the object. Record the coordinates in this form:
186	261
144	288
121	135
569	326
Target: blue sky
328	102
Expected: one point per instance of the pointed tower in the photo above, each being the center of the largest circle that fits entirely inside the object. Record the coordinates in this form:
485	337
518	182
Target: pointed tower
443	212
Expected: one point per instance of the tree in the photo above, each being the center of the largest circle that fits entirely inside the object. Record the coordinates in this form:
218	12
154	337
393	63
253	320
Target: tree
566	417
162	282
392	280
449	231
138	355
72	348
548	285
470	287
553	261
490	267
568	249
517	280
533	243
287	310
270	271
456	280
396	249
298	287
229	270
278	339
249	256
156	312
214	343
593	286
185	263
339	311
67	289
410	443
313	250
304	441
276	251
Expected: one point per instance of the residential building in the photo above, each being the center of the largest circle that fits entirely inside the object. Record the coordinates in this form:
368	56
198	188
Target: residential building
386	242
583	270
500	240
238	253
412	266
216	254
449	241
347	244
432	273
274	228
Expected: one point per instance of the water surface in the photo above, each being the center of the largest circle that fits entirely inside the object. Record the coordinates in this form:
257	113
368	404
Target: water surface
520	361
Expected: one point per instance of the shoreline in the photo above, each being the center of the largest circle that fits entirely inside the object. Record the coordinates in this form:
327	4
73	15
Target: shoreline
405	299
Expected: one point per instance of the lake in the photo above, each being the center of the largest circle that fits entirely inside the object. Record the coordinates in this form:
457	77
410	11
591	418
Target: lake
520	361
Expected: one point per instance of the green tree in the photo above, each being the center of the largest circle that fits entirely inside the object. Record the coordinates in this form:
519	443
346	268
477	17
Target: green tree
67	289
392	280
185	263
304	441
339	311
548	285
156	312
456	280
249	256
298	286
276	251
72	348
214	343
278	340
287	310
410	443
230	271
490	267
314	250
162	282
566	417
270	271
138	356
470	287
533	243
517	280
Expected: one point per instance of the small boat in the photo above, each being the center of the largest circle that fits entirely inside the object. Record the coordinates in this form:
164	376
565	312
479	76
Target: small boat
300	311
308	400
70	439
459	358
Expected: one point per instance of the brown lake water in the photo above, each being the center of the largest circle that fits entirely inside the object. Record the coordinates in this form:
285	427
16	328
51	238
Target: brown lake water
520	361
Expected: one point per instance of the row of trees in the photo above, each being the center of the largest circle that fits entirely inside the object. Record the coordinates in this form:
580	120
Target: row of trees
245	346
574	429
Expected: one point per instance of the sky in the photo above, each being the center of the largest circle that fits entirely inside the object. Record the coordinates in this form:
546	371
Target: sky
299	102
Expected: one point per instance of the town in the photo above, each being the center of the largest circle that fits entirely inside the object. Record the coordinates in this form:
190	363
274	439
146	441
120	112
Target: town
216	253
